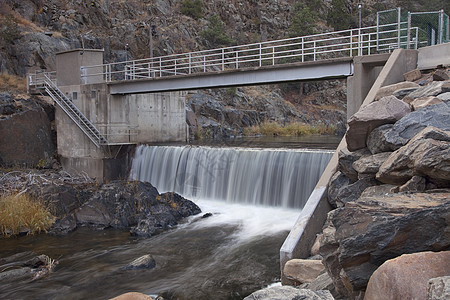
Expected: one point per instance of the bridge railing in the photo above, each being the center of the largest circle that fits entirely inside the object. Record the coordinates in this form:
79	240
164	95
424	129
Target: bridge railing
345	43
36	80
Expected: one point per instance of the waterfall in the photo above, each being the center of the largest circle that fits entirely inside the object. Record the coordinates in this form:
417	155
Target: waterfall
268	177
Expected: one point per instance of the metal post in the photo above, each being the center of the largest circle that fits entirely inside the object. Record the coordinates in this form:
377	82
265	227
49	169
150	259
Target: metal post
314	47
175	66
359	12
223	59
237	59
260	55
441	26
399	20
409	31
448	30
378	31
303	49
189	63
160	67
351	43
273	56
359	42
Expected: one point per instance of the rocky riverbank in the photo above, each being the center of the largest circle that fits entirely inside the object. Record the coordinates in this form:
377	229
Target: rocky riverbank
388	235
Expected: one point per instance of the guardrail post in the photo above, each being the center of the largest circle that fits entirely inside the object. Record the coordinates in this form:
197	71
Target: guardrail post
175	66
204	63
359	42
237	59
223	59
399	33
351	43
273	56
408	38
314	47
303	49
190	58
260	54
441	26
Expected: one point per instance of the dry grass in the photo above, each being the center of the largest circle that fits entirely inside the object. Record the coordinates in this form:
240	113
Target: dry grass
12	83
290	129
19	213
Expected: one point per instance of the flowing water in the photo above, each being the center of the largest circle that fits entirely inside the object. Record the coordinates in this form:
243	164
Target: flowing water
254	195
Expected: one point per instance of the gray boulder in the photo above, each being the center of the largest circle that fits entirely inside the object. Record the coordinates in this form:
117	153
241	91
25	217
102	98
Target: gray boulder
346	160
289	293
439	288
376	140
337	182
432	89
362	235
368	166
350	192
437	115
390	89
444	96
426	155
385	111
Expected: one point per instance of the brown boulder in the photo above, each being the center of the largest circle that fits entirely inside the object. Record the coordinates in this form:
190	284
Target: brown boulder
301	271
364	234
132	296
390	89
406	277
440	75
385	111
368	166
412	75
427	154
424	102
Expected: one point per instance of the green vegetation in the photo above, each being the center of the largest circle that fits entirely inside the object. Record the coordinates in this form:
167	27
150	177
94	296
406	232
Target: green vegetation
192	9
215	33
340	15
20	213
290	129
10	29
304	19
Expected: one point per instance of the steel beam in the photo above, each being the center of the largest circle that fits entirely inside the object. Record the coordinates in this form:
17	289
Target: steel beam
333	68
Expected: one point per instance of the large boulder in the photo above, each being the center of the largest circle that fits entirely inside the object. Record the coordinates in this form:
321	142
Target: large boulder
426	155
424	102
132	296
346	160
437	115
300	271
391	89
432	89
289	293
340	195
123	204
362	235
385	111
368	166
407	276
376	140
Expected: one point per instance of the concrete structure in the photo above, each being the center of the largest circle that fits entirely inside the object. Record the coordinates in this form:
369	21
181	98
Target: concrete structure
313	216
122	119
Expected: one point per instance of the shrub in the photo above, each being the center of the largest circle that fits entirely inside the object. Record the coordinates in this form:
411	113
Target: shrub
192	9
215	33
290	129
304	20
10	29
339	16
19	213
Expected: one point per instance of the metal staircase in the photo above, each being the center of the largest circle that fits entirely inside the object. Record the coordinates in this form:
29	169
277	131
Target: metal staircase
73	112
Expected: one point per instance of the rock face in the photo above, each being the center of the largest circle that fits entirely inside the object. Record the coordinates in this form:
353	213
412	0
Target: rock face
385	111
439	288
392	280
303	270
427	154
26	139
364	234
289	293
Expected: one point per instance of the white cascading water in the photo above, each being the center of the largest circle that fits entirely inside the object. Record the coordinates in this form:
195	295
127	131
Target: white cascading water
260	177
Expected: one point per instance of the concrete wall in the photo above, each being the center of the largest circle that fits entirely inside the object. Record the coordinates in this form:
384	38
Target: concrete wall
433	56
313	215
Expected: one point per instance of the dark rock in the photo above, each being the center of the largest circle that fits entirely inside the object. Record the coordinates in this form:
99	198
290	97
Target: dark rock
427	154
26	138
289	293
407	127
337	181
364	234
346	160
143	262
376	141
15	274
415	184
440	75
322	282
401	93
122	204
368	166
385	111
207	215
379	190
351	192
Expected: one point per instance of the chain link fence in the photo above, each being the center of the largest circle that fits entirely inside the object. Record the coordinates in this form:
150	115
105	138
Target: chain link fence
397	28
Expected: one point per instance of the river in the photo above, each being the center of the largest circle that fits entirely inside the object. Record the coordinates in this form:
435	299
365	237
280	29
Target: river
226	256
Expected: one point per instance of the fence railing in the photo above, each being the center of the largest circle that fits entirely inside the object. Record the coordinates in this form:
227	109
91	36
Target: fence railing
345	43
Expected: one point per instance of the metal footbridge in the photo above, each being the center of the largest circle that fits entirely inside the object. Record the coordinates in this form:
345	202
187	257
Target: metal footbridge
318	56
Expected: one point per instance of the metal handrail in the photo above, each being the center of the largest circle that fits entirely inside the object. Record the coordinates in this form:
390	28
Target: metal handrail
344	43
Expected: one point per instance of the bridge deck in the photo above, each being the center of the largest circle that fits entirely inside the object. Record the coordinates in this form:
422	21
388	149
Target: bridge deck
331	68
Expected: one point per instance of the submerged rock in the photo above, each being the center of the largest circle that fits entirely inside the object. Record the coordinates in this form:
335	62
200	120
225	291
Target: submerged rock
144	262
